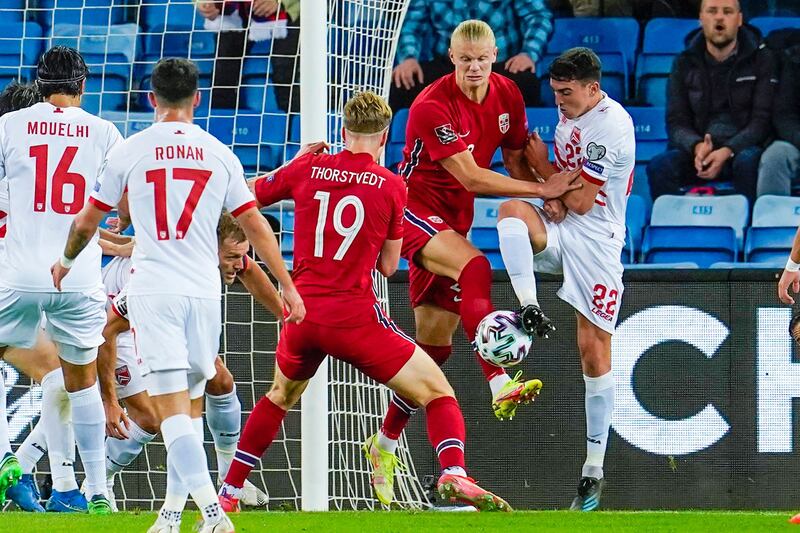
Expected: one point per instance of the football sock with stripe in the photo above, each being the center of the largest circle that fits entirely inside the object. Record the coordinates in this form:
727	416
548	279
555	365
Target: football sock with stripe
446	431
224	419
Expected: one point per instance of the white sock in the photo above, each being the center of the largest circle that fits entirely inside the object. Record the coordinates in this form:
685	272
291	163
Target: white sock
517	252
599	407
386	444
89	422
224	419
32	448
455	470
185	452
56	422
121	453
497	382
5	443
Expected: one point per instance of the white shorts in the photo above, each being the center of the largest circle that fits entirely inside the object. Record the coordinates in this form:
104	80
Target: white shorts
591	266
176	333
128	372
75	321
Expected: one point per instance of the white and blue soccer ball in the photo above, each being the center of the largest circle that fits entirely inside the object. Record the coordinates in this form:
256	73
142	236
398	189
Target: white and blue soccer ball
500	339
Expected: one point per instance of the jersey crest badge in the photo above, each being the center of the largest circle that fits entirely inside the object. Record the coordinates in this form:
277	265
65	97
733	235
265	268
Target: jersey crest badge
505	122
445	133
435	219
123	375
575	136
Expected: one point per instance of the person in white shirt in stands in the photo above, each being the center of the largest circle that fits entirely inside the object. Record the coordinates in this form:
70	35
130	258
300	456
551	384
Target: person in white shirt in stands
50	156
178	180
580	235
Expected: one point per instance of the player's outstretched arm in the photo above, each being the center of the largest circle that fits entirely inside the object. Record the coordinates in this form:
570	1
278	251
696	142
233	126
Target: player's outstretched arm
484	181
83	228
117	423
389	258
261	288
260	235
791	274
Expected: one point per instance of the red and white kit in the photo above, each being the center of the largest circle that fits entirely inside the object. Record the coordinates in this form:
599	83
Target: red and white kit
587	248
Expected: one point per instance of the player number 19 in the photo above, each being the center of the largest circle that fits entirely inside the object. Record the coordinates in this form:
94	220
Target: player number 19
348	232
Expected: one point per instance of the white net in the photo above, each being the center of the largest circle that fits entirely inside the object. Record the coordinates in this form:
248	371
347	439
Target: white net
250	101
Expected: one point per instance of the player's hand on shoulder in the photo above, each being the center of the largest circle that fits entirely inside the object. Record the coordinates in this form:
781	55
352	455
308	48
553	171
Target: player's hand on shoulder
536	151
788	279
404	73
294	304
312	148
555	210
561	183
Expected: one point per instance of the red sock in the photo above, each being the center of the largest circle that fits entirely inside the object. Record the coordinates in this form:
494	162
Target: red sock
401	408
476	302
259	432
446	431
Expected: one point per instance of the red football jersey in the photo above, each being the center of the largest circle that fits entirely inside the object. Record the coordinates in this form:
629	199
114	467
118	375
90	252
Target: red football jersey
346	207
442	122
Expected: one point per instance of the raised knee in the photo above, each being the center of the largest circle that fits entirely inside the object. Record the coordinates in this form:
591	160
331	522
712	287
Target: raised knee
435	388
283	398
221	384
150	424
513	209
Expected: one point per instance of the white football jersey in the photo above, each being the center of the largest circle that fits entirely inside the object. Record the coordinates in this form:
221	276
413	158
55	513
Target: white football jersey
178	179
3	215
50	157
116	275
602	142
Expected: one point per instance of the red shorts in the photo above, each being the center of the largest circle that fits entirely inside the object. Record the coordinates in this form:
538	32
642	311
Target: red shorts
379	349
426	287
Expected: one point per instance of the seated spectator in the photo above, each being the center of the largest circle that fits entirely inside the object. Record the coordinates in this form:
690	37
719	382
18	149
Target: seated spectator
263	20
643	10
780	164
719	106
522	28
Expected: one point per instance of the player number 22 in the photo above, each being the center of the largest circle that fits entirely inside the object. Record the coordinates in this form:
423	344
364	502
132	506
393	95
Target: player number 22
158	178
61	178
600	292
348	232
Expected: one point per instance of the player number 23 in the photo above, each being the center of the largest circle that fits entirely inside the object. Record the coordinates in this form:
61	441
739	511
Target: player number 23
348	232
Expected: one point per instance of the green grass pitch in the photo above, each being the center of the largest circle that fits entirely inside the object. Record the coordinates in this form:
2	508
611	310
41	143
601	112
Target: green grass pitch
391	522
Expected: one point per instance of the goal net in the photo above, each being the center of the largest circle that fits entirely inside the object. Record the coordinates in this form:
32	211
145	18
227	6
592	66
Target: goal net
250	101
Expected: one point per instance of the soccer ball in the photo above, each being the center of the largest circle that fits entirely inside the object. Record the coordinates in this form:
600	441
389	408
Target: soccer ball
501	340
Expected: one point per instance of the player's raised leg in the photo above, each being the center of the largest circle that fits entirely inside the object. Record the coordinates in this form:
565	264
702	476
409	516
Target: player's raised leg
522	234
595	348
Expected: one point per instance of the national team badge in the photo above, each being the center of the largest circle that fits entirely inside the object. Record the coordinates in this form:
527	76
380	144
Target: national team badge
445	134
123	375
575	136
505	122
435	219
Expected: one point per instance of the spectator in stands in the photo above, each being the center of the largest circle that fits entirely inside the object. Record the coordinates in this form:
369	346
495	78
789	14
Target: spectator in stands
278	20
641	9
521	27
780	164
719	106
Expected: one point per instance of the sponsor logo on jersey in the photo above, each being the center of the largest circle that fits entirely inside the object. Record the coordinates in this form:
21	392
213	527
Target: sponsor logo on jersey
595	152
435	219
594	167
505	122
445	133
123	375
575	136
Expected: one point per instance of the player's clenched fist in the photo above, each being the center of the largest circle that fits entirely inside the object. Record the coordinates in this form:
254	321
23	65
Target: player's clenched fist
561	183
788	279
294	304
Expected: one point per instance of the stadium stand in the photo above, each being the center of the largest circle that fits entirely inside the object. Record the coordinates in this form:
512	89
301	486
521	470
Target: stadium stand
775	220
655	61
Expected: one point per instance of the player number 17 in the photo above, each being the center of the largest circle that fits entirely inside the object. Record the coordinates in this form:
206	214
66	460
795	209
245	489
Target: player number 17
348	232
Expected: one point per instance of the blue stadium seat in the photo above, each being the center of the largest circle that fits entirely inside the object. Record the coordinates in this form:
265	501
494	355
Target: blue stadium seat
484	227
772	211
769	244
497	162
397	133
701	245
543	120
651	131
635	221
613	39
156	15
747	266
668	266
663	40
13	10
80	12
728	211
109	54
19	50
128	123
768	24
403	264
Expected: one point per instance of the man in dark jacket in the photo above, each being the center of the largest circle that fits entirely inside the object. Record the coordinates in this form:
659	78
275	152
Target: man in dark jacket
719	106
780	164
